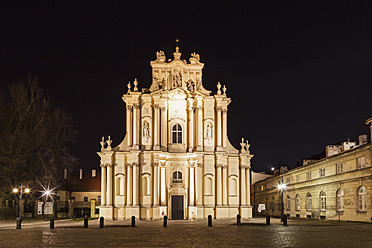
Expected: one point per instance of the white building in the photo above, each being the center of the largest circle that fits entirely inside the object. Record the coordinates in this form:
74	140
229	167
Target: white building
175	159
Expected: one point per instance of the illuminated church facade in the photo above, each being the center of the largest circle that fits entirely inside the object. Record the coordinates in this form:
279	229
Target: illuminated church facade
176	158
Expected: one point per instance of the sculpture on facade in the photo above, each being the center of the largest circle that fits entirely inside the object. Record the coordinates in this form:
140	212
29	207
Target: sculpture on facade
146	131
109	141
103	143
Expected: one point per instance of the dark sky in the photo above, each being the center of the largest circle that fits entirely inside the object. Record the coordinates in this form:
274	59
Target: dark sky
298	72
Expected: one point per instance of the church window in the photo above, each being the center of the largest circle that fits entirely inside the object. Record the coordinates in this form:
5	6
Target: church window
177	133
298	205
308	201
339	169
323	201
362	199
361	162
340	200
288	203
177	177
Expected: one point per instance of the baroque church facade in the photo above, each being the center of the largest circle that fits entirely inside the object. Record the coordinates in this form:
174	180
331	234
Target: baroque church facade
176	158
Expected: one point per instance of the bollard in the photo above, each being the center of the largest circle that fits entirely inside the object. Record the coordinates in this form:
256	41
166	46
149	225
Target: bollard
268	220
165	221
209	220
85	221
238	219
51	223
19	223
133	221
284	220
101	222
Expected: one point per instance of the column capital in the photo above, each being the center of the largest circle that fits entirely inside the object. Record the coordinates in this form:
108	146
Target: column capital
156	106
129	107
200	165
135	164
137	105
162	108
129	164
155	164
218	108
224	109
219	165
109	165
102	165
162	164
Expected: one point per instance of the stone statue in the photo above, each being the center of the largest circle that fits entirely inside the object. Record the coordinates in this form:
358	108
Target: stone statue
103	143
128	87
160	56
247	146
109	141
224	89
242	144
195	56
219	88
135	85
209	131
146	131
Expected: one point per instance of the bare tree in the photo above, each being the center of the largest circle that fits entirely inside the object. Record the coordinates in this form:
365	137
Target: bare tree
34	137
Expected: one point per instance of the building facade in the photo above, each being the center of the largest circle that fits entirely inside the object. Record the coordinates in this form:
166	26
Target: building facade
176	158
337	187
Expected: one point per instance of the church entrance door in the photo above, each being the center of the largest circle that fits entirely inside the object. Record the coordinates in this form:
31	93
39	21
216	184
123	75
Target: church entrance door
177	207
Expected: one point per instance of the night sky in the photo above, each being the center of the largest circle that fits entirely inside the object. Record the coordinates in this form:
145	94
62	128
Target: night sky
299	73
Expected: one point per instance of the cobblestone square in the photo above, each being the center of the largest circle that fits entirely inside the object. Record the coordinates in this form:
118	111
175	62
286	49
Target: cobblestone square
223	233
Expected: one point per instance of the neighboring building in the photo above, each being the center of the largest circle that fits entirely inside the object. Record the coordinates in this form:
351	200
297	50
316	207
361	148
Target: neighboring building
175	159
338	186
80	195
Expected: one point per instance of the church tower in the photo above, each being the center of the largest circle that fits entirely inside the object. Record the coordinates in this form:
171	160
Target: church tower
176	158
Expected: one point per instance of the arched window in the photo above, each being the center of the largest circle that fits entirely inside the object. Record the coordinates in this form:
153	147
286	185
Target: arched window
288	203
340	200
323	201
177	177
308	201
177	133
362	199
298	207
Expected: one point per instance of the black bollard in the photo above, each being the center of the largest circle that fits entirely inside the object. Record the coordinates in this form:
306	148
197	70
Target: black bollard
238	219
165	221
268	220
101	222
133	221
19	223
284	220
51	223
85	221
209	220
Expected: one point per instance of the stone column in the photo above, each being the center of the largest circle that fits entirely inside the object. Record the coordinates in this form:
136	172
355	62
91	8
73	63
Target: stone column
242	186
192	187
129	125
156	128
224	185
248	185
136	120
103	185
199	136
219	185
199	184
135	184
156	184
129	184
224	127
164	133
191	128
218	129
162	186
109	184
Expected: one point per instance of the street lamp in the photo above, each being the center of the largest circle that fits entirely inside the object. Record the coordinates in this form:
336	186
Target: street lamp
16	190
282	187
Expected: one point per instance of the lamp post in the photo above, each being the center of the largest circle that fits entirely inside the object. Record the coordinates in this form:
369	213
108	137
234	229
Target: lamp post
26	190
282	186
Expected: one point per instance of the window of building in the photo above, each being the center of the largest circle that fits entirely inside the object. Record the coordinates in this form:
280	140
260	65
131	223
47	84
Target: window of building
340	200
85	199
339	168
177	177
362	199
308	201
288	203
297	178
361	162
288	180
177	133
322	172
323	201
308	175
298	206
261	187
